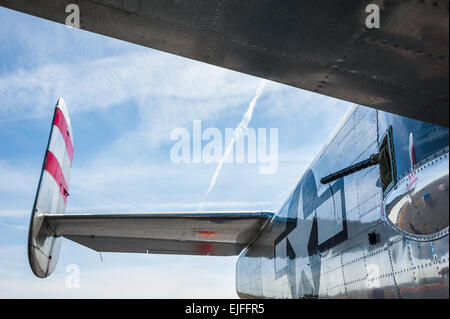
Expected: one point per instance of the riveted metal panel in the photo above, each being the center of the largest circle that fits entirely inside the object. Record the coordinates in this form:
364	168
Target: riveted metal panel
324	47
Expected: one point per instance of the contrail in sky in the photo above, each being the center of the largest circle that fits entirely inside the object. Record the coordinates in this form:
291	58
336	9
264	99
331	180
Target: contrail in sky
241	128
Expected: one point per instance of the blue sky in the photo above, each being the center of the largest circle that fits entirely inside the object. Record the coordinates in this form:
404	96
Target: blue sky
124	100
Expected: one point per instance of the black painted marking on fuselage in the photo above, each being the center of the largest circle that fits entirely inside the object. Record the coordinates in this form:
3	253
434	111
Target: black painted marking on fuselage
307	188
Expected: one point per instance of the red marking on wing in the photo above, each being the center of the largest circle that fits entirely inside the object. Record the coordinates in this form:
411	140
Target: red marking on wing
52	166
207	233
61	124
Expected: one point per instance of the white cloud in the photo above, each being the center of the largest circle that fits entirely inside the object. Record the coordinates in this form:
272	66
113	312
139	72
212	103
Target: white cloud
15	179
129	174
150	276
115	282
17	227
105	82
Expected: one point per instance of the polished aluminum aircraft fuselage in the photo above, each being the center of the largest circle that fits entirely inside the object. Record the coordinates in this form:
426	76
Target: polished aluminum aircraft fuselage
378	232
361	235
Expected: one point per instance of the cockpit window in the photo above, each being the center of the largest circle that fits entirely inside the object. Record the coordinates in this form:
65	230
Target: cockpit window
428	139
387	162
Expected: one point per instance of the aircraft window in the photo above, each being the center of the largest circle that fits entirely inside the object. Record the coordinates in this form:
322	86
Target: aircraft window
428	139
387	162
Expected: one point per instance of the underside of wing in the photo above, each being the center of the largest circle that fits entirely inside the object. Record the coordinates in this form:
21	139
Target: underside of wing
327	47
209	233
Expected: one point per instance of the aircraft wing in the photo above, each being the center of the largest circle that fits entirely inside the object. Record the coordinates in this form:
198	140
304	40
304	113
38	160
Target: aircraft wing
197	233
205	233
321	46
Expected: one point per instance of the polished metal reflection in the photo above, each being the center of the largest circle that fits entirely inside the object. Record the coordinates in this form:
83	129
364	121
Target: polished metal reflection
419	203
294	257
